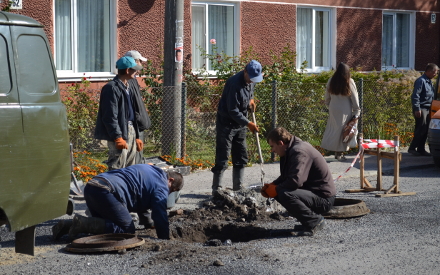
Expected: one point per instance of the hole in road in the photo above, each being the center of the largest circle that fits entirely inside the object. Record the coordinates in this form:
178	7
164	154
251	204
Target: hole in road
225	231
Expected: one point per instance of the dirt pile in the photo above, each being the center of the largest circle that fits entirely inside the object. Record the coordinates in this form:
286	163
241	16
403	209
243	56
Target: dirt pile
229	216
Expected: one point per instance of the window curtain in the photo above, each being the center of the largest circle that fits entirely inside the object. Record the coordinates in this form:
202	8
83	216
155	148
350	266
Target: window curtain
221	28
402	40
387	40
93	30
304	37
319	28
63	43
322	41
198	36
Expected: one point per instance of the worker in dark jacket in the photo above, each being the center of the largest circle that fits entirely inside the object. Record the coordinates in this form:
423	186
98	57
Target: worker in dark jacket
142	117
305	187
421	100
237	97
116	122
111	196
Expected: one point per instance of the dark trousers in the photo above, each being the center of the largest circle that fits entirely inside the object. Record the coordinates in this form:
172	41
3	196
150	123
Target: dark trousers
420	131
103	204
230	138
140	154
304	205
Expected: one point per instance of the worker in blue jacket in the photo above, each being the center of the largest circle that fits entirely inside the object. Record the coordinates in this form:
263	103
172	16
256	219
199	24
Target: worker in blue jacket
111	196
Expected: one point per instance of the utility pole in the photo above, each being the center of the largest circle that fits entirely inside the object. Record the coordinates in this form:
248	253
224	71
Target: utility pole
172	80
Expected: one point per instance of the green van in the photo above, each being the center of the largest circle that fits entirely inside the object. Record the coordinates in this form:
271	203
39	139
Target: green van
34	142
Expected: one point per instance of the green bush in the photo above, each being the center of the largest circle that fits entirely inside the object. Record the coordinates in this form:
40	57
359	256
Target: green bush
298	105
82	108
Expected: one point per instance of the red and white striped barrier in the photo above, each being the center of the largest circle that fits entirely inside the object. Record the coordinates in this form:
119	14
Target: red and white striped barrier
348	169
379	143
370	144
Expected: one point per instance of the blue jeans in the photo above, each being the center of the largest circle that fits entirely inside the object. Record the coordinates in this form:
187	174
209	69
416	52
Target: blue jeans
230	137
103	204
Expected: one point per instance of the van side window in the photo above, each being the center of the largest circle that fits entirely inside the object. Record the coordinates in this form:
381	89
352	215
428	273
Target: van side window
5	71
35	71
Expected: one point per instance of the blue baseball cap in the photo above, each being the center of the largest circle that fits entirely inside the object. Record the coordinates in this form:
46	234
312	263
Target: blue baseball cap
253	69
127	62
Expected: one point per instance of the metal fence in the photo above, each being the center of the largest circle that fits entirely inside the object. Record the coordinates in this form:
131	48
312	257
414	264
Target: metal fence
300	108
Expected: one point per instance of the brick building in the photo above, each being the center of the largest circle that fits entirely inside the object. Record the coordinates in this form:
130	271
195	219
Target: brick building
87	37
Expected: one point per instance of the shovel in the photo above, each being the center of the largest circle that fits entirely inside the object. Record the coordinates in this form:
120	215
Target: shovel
259	151
268	201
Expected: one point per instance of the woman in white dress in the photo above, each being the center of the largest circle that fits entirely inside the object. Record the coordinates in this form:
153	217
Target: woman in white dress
342	100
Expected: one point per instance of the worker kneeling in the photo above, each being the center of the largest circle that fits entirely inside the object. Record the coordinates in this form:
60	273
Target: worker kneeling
111	196
305	187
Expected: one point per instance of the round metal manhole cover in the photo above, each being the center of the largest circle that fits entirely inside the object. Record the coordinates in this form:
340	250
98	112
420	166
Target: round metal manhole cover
347	208
104	242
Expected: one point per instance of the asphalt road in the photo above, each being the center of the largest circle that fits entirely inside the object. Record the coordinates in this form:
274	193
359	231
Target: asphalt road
399	236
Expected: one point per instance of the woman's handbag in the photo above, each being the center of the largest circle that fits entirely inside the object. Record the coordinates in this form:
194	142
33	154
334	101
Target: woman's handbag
350	130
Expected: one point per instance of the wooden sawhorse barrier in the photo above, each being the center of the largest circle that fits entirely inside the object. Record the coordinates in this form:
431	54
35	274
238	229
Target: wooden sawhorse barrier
396	156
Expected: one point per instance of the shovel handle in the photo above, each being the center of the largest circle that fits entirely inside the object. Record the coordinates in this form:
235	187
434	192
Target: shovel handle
259	150
258	139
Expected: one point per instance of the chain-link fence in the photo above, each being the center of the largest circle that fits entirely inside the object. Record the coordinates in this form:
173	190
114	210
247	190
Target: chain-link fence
183	122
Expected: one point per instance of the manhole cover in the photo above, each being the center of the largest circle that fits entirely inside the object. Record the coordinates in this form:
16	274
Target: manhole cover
347	208
105	242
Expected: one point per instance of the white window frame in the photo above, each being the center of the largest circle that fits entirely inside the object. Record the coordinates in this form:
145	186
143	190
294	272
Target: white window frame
332	40
237	41
73	75
412	40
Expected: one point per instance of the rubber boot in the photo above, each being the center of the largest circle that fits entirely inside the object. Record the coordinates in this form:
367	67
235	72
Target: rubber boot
217	182
237	178
83	224
61	228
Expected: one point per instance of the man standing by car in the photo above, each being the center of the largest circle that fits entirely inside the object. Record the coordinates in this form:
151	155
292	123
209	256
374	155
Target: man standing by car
305	187
421	99
116	121
237	97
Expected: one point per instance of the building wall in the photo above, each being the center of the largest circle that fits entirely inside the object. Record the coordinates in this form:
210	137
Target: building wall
40	10
422	5
141	27
427	41
267	28
359	34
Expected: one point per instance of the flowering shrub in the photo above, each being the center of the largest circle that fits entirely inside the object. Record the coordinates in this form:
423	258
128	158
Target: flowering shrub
187	161
82	109
87	167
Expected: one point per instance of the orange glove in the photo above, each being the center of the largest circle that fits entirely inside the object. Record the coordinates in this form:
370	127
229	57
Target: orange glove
263	190
252	127
139	145
252	105
121	143
269	190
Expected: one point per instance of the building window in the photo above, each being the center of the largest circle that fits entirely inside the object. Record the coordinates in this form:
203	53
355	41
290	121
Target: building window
212	21
397	40
313	38
83	39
